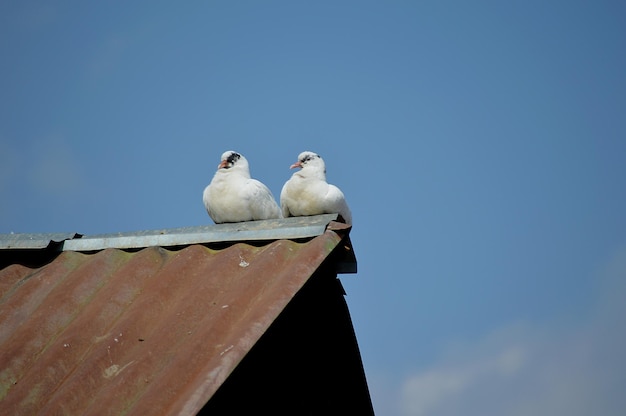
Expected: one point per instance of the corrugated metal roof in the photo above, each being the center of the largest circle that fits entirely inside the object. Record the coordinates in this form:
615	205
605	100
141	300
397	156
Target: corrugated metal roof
118	332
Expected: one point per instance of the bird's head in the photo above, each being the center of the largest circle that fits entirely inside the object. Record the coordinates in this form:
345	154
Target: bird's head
231	159
309	159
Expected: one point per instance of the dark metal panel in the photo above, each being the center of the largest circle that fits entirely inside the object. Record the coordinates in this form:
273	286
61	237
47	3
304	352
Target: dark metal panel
134	332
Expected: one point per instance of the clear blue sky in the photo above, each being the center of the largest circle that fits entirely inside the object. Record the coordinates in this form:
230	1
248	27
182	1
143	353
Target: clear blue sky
481	146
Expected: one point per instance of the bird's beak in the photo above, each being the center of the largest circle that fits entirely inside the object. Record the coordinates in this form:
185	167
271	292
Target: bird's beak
223	164
296	165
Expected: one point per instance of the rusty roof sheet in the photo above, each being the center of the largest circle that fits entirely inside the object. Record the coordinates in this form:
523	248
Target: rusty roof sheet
126	332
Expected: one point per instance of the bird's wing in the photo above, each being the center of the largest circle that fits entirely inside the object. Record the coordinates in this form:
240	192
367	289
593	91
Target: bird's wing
220	204
262	202
336	202
285	200
206	198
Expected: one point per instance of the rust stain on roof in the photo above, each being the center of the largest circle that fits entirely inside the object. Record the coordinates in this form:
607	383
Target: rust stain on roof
119	333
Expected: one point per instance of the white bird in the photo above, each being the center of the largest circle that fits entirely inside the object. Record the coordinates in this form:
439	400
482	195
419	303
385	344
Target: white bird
233	196
308	193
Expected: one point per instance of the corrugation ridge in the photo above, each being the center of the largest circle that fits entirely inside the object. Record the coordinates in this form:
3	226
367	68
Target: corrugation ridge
19	308
28	293
94	328
10	276
174	318
61	308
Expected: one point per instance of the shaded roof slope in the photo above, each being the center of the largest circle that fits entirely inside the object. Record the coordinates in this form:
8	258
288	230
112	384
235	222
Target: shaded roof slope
151	328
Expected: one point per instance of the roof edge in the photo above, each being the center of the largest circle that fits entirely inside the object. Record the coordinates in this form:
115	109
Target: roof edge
263	230
17	241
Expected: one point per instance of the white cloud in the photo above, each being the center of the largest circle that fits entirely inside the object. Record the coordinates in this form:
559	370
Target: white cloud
526	370
429	390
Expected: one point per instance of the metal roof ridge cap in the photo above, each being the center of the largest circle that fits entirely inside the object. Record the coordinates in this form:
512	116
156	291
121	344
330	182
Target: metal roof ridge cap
30	241
264	230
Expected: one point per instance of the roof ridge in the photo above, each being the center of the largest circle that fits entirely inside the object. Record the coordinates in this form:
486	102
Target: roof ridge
263	230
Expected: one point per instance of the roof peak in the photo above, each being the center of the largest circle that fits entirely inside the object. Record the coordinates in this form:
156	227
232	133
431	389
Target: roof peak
263	230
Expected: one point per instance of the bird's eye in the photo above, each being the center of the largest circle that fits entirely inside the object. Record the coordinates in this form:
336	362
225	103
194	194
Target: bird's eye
233	157
307	158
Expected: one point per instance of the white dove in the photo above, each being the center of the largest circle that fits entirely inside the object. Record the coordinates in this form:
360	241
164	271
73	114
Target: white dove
233	196
308	193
